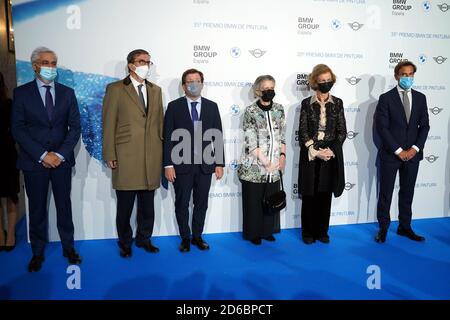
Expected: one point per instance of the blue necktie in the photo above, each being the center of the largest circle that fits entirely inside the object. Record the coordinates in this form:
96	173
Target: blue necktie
49	102
194	112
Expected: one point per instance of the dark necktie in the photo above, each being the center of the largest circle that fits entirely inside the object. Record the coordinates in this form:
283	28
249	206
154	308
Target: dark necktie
49	102
406	105
194	112
141	96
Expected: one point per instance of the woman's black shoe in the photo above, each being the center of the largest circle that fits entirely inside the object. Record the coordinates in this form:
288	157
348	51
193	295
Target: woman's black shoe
269	238
256	241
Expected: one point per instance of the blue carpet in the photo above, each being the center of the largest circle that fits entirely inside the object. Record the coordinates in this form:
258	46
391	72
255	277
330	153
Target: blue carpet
237	269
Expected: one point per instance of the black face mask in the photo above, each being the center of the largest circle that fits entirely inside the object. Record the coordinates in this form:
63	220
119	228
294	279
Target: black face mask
324	87
267	95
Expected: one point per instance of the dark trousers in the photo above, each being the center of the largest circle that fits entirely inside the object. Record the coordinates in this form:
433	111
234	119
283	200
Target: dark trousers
145	216
198	183
37	185
408	174
316	214
256	224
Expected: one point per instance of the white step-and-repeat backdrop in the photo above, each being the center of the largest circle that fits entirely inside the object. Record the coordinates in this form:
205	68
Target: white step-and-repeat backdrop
233	42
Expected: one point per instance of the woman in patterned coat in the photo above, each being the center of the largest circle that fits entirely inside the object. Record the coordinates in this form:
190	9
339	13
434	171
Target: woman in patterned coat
262	160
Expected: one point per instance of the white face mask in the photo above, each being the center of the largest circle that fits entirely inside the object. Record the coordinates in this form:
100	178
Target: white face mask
142	72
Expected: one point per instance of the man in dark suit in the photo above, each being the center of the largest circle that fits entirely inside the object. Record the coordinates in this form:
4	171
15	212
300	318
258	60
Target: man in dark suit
189	162
46	125
401	119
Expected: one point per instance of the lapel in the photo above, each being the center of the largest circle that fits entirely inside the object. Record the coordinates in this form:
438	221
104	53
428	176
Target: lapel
413	104
129	88
185	112
58	99
151	99
37	96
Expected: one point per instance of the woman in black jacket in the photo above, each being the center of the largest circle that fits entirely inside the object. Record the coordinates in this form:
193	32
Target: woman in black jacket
322	132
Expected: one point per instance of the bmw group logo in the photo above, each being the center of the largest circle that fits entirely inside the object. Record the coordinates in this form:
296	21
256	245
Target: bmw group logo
257	53
234	165
336	24
443	7
353	80
235	52
355	26
435	110
431	158
348	186
234	109
351	134
439	59
422	59
426	6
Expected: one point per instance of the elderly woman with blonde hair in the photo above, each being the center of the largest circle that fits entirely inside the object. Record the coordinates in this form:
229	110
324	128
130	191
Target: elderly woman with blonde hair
322	131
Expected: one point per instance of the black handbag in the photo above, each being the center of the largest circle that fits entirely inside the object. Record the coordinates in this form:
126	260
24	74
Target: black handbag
274	202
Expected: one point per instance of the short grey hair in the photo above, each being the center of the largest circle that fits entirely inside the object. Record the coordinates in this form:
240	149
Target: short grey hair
37	52
259	80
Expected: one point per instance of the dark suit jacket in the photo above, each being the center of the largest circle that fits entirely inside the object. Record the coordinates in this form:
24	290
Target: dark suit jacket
178	117
35	133
394	131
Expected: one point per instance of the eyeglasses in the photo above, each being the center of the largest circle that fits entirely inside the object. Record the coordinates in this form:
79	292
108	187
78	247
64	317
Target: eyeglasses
143	62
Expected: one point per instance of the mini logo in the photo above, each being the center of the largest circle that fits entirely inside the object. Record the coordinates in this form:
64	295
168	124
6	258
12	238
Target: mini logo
349	186
353	80
234	109
352	134
257	53
436	110
443	7
431	158
355	26
426	6
422	59
439	59
336	24
235	52
234	165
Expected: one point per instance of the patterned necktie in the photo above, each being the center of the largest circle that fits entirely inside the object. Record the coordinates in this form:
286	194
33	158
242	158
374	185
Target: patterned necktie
194	112
49	102
406	105
141	96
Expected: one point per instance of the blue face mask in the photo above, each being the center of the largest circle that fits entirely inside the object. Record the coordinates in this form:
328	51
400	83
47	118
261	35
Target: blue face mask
406	82
48	74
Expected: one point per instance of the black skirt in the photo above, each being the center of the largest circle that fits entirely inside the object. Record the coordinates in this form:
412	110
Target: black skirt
255	223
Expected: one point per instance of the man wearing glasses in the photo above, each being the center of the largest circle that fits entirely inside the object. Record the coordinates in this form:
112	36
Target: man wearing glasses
132	147
196	120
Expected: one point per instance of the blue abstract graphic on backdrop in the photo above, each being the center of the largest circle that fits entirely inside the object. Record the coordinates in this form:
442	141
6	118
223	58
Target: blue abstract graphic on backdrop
89	90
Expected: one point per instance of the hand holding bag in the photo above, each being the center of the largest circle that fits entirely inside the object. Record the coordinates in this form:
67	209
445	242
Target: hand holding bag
275	202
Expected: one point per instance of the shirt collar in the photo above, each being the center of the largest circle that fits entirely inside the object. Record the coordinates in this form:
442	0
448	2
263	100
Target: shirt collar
41	83
136	83
199	100
315	99
400	89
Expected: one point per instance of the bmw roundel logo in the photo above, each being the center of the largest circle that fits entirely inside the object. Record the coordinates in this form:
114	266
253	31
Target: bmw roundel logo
422	58
234	165
235	52
426	6
235	109
335	24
